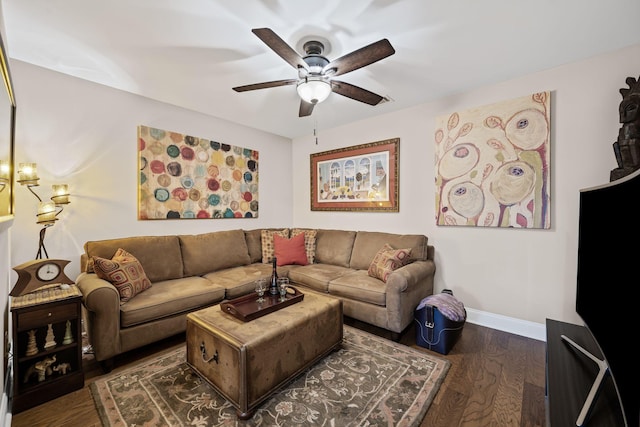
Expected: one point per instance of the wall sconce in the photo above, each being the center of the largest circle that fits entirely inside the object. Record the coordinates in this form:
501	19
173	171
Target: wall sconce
46	213
60	194
28	175
47	210
5	171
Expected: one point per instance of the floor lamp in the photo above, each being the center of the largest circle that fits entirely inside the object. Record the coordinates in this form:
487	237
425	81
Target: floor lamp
47	210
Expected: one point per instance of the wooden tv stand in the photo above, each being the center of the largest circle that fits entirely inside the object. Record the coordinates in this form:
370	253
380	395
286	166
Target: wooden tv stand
570	375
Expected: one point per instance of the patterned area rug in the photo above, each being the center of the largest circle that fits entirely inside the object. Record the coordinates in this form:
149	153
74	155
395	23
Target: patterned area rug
367	381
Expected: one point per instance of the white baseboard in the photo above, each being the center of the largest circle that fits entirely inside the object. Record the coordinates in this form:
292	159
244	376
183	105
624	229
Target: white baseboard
5	409
525	328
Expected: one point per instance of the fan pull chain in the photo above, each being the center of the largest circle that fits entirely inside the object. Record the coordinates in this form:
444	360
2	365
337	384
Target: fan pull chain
315	131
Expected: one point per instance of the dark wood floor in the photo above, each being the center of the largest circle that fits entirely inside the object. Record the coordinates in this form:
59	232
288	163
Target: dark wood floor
495	379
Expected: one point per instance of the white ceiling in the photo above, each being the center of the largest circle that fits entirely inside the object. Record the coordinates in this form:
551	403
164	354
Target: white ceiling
190	53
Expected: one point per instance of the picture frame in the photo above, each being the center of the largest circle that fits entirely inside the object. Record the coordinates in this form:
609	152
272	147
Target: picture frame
362	177
190	178
7	137
493	164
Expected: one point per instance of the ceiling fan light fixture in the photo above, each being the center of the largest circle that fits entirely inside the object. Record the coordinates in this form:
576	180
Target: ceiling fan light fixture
315	72
313	90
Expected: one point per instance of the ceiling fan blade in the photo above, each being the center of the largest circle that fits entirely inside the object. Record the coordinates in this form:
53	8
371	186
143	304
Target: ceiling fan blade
359	58
265	85
355	92
280	47
306	108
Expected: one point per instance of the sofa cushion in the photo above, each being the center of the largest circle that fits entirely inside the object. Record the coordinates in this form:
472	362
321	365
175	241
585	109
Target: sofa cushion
168	298
359	286
367	244
239	281
316	276
124	272
160	256
254	244
290	251
267	242
204	253
387	260
309	242
334	247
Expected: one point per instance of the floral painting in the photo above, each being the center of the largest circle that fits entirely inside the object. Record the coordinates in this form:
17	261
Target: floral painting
183	176
492	165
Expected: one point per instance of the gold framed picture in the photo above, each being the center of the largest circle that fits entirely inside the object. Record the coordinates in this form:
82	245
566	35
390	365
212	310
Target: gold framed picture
357	178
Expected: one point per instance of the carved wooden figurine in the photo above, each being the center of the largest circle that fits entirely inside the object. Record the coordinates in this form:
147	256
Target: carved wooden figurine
50	338
62	368
42	369
32	347
68	335
627	147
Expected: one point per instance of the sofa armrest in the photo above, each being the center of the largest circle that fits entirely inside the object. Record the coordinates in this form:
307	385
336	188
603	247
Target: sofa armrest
406	287
409	276
102	303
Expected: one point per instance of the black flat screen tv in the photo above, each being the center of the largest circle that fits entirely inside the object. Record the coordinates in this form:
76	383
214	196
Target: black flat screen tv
608	279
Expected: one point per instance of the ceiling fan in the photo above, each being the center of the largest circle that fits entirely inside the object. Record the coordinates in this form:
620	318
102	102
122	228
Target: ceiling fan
316	73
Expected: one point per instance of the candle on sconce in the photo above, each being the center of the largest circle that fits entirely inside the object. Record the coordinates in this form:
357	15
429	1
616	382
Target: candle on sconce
4	174
46	213
4	170
27	173
60	194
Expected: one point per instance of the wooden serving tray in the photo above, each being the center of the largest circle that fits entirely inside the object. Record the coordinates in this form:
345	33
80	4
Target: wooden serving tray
247	308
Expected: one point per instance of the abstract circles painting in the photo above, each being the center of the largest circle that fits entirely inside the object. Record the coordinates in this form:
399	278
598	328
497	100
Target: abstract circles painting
493	165
186	177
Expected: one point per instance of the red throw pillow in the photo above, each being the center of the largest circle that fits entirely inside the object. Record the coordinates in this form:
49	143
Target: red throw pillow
290	251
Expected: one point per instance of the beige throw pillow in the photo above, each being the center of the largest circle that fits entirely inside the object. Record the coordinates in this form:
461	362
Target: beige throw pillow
123	271
309	242
387	260
268	250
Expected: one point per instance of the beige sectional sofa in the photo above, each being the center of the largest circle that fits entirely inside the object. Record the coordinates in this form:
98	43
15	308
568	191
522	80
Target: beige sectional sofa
190	272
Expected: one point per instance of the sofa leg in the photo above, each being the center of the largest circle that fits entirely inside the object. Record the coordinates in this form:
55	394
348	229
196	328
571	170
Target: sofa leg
106	365
395	336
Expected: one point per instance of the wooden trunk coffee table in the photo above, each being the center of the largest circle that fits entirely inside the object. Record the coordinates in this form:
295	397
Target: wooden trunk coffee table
247	361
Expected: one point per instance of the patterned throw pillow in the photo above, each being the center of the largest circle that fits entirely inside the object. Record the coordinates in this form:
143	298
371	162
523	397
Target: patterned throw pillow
309	242
290	251
89	267
387	260
124	271
267	243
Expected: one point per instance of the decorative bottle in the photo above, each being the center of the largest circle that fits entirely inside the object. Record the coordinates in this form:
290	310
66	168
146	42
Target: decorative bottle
273	286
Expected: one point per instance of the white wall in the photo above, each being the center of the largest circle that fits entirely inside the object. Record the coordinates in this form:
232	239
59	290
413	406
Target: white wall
85	134
522	274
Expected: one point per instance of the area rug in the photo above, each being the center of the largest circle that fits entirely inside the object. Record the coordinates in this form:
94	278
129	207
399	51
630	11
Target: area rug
367	381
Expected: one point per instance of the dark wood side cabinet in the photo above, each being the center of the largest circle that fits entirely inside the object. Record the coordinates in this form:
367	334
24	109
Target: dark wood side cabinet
47	345
570	375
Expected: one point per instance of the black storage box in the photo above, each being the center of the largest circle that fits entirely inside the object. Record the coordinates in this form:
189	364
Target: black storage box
434	331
